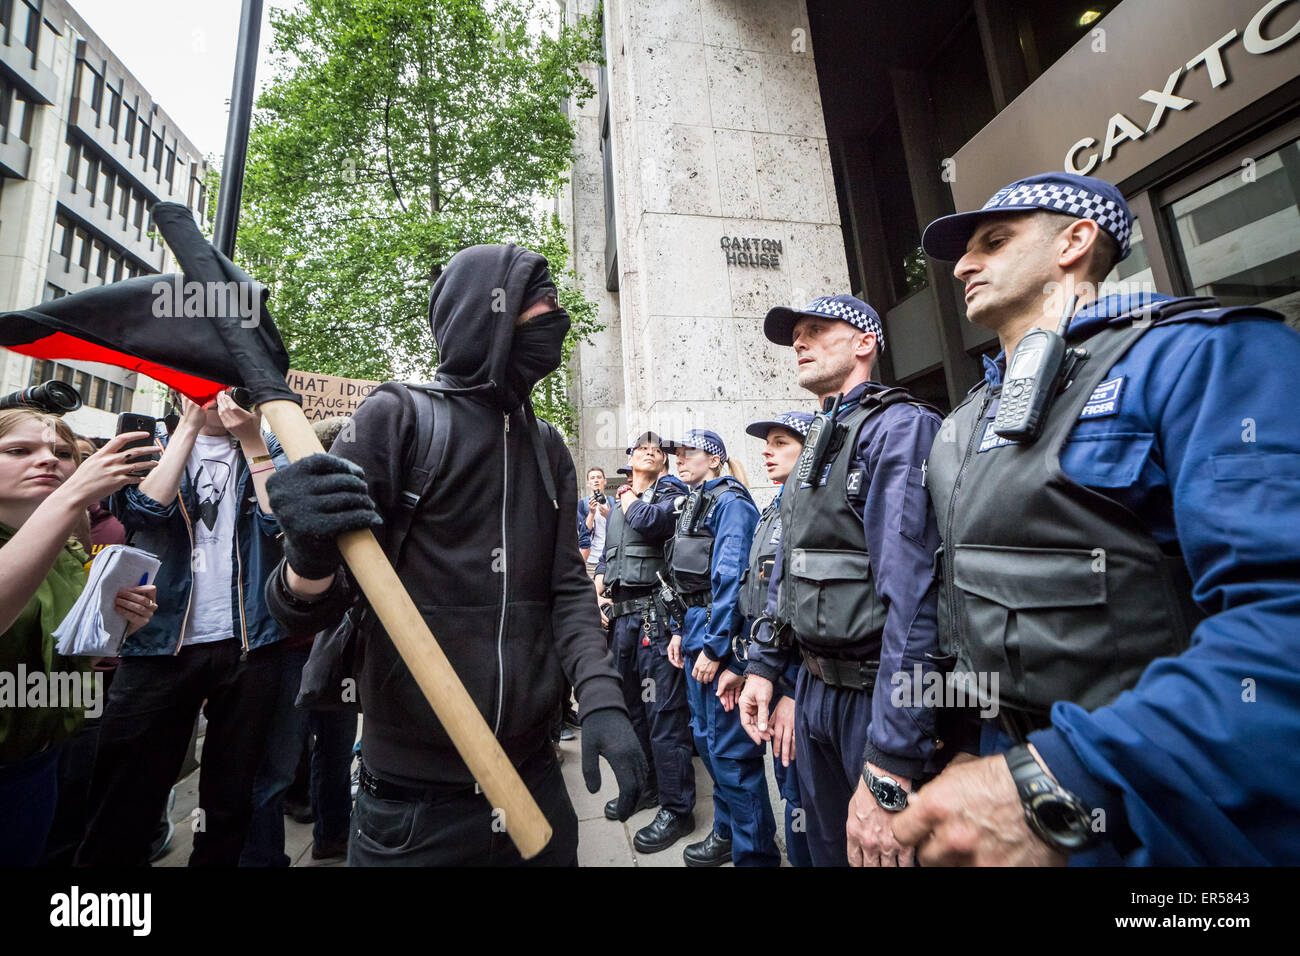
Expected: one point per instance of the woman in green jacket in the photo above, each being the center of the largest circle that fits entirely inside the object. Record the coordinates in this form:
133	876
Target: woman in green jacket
43	695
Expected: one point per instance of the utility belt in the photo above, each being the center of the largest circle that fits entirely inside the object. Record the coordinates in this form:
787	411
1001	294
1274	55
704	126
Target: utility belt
638	605
1019	724
696	598
852	675
634	605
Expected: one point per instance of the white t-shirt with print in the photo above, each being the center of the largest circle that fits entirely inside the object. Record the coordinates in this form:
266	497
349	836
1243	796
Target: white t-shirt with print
212	469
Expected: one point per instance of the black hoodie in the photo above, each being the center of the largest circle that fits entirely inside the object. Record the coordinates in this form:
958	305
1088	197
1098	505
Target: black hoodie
491	560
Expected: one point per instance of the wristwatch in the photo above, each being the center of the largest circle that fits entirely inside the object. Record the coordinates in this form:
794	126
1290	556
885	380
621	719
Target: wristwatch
259	458
889	793
1054	813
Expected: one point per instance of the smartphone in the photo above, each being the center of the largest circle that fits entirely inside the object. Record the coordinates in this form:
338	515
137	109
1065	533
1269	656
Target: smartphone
131	422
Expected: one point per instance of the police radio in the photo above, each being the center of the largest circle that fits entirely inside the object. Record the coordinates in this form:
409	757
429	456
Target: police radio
819	444
1033	376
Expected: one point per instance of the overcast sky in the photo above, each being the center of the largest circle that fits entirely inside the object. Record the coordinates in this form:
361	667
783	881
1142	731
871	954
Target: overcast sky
183	51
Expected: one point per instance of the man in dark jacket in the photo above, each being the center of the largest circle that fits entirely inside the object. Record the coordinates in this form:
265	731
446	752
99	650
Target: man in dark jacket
491	561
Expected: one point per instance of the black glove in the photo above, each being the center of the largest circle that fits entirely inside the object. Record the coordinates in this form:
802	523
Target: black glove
316	499
608	733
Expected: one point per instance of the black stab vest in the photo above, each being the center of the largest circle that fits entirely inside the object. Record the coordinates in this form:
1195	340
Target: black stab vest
632	560
762	556
827	595
690	551
1056	587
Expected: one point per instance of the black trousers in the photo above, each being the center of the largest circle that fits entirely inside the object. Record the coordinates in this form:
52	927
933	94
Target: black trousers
143	737
459	827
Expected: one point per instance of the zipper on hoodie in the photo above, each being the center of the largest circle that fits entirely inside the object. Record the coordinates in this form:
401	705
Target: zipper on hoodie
501	623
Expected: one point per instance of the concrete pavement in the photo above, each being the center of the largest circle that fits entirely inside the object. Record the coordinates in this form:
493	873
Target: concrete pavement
601	842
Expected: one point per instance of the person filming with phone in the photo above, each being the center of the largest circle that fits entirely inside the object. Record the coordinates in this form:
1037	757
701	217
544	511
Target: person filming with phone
43	500
203	510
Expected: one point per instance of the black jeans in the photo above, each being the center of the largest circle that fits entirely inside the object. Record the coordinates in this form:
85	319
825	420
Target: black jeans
143	737
460	828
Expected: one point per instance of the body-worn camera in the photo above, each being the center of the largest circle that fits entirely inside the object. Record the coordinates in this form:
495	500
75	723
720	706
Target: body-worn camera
52	397
669	598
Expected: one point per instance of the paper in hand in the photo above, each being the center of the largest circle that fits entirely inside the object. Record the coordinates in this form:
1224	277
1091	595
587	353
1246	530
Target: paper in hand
94	627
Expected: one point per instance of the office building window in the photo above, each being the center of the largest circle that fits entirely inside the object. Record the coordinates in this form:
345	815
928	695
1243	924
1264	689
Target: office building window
128	131
40	371
114	111
1238	238
101	394
114	397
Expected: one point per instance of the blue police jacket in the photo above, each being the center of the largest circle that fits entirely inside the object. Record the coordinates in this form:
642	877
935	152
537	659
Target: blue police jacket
888	460
710	630
1196	434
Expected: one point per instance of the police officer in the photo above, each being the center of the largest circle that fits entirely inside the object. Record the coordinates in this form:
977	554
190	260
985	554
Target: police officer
782	443
853	582
707	555
655	692
1128	569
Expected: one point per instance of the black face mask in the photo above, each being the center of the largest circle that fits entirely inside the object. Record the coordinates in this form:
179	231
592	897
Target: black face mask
535	352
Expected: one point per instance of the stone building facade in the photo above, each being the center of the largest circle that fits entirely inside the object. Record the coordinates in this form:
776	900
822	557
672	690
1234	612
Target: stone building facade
701	196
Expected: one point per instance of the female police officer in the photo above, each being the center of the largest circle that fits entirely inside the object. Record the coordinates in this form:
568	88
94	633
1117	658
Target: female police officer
783	439
707	555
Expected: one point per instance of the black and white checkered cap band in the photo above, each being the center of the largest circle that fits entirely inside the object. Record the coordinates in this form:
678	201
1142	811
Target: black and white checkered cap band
1071	201
704	443
855	317
797	425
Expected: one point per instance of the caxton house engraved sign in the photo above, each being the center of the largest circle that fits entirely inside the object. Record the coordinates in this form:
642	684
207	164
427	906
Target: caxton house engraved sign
750	251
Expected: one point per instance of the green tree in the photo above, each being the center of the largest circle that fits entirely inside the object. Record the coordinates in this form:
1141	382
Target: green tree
394	134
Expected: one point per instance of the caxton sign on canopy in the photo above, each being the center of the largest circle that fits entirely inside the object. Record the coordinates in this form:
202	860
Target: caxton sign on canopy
1083	158
1149	77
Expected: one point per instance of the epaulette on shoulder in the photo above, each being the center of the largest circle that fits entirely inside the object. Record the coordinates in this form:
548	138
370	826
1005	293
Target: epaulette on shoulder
1203	309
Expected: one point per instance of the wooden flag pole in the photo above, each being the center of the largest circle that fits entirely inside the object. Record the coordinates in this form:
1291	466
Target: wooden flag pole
473	739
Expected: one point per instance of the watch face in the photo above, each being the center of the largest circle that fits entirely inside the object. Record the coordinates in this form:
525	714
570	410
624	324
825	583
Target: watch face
1063	819
889	794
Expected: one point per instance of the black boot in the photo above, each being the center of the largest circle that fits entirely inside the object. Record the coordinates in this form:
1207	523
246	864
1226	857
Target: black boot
713	850
648	801
663	831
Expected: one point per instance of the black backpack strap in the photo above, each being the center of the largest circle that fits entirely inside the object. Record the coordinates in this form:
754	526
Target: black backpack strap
432	428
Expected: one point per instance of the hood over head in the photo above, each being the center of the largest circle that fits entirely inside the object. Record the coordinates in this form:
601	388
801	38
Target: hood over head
472	311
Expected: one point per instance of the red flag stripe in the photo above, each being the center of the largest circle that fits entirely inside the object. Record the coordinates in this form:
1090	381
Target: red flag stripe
60	345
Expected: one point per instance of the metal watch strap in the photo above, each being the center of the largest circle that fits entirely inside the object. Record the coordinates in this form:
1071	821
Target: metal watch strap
1034	784
871	779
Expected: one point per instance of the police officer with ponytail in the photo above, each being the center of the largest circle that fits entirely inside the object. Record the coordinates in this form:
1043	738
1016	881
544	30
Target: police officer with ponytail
707	555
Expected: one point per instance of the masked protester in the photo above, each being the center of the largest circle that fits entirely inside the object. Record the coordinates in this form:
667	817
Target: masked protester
490	559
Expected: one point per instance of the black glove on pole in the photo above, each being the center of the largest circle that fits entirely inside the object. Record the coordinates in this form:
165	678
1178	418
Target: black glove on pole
608	733
316	499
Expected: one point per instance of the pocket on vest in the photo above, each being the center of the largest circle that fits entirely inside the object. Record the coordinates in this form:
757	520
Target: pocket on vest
833	601
1038	616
